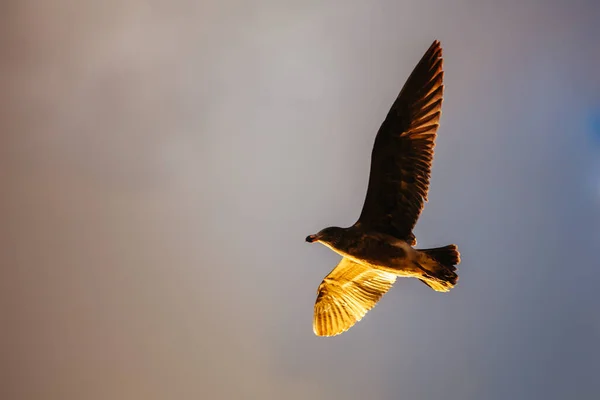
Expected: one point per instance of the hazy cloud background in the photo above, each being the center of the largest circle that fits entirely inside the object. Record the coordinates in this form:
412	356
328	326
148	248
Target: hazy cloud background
162	161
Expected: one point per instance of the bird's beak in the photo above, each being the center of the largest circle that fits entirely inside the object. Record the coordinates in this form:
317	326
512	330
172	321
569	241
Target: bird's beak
311	238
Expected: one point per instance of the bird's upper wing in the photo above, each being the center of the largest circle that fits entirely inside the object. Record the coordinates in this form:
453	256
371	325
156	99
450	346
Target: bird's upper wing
403	152
346	294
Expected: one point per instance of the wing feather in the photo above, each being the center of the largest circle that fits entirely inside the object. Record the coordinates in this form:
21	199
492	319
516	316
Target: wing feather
346	294
403	152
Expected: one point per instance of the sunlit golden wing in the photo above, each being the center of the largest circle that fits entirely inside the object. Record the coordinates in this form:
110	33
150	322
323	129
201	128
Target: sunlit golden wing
403	152
346	294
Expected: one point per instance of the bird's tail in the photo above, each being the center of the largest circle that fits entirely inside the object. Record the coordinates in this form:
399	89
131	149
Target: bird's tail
439	267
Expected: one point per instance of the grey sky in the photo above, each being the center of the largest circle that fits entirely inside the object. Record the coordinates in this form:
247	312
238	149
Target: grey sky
162	162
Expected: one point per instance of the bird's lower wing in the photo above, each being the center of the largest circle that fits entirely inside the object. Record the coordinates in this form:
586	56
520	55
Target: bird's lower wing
346	294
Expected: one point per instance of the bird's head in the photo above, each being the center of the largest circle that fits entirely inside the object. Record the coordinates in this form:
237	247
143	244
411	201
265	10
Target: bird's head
330	236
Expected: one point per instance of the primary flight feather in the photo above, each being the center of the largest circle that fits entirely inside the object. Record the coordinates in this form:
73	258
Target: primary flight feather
379	246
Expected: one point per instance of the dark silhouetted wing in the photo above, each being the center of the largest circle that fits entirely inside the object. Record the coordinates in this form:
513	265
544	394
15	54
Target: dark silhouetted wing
346	294
403	152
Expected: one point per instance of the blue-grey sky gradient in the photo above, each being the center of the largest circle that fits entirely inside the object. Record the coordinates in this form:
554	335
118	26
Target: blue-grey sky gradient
162	162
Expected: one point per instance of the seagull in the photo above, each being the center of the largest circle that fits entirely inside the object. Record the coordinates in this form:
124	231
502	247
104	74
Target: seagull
380	246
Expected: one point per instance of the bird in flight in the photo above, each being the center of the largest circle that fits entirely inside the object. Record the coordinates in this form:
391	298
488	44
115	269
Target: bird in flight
379	247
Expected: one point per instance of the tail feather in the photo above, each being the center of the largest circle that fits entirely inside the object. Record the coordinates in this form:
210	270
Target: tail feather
440	266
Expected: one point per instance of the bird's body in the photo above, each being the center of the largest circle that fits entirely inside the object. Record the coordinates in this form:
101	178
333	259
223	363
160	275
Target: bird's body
375	250
379	247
